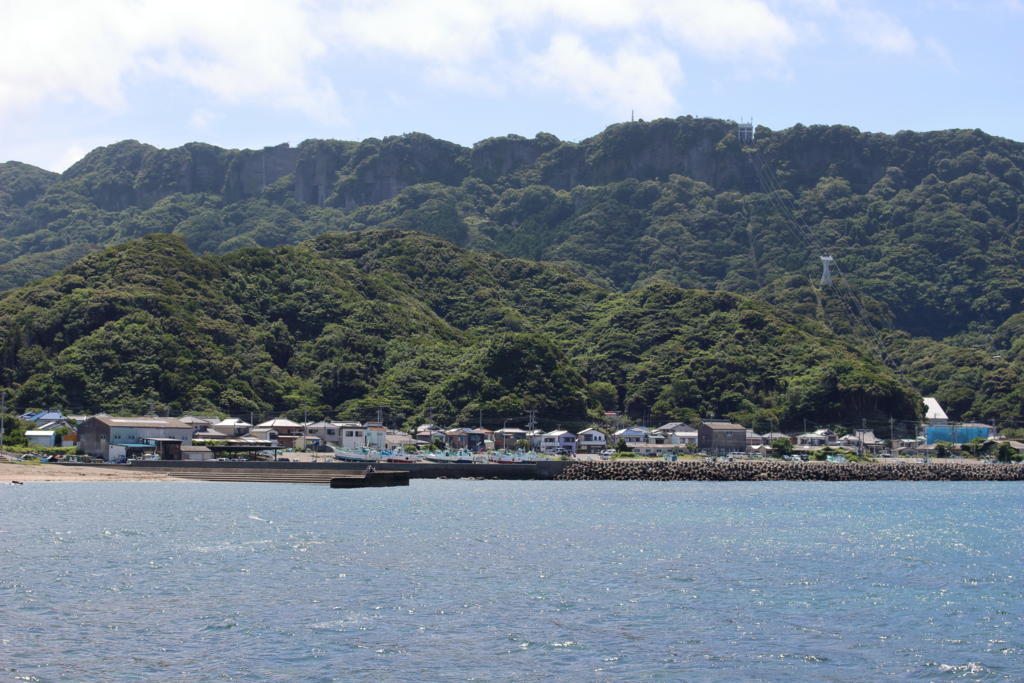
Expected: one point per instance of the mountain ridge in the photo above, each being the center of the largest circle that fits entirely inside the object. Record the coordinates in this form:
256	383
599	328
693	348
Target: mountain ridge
925	227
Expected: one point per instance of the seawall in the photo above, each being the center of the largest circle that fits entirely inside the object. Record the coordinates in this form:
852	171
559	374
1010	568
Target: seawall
774	470
537	470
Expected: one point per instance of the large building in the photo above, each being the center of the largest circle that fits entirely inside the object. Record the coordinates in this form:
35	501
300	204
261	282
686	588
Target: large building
720	438
118	438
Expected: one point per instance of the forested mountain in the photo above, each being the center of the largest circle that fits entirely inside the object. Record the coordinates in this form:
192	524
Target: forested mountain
346	322
925	227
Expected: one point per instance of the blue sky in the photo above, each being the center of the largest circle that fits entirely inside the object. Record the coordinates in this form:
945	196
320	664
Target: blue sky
251	73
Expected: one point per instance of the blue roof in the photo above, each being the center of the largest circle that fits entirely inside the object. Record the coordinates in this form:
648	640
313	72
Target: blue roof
43	416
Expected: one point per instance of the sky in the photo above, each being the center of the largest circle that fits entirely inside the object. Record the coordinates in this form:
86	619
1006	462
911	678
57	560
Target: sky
254	73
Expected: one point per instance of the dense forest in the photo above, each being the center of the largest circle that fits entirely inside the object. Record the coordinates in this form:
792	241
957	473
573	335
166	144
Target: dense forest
350	321
925	229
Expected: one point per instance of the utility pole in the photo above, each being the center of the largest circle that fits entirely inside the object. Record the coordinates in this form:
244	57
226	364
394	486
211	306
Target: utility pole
892	433
3	413
380	414
480	419
533	419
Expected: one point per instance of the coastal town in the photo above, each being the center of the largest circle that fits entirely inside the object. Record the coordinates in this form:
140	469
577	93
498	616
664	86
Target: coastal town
121	439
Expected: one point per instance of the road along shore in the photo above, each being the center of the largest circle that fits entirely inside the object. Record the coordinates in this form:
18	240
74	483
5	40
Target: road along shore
774	470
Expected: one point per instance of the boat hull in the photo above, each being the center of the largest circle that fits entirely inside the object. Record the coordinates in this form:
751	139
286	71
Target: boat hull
371	480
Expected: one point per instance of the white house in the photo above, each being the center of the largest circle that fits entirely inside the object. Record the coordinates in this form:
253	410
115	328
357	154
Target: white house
558	440
41	437
232	426
681	436
819	437
591	440
351	434
631	435
328	432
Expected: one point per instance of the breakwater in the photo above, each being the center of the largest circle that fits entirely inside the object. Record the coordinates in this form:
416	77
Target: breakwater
774	470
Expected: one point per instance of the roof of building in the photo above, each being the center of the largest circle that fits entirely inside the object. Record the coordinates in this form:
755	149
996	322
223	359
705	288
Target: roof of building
637	430
209	434
592	430
195	449
40	432
933	411
164	422
674	427
232	422
559	432
278	422
724	426
42	415
199	419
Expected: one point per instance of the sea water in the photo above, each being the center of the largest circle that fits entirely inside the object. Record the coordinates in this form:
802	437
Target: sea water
513	580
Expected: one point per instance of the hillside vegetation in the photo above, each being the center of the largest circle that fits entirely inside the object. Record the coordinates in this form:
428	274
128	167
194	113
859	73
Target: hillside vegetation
925	227
348	322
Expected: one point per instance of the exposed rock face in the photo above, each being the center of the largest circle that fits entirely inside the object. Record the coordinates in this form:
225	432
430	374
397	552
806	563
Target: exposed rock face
351	174
250	171
497	157
380	169
317	168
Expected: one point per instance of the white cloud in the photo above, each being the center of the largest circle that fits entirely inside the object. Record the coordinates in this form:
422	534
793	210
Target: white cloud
483	45
202	117
288	54
879	31
728	29
631	78
235	49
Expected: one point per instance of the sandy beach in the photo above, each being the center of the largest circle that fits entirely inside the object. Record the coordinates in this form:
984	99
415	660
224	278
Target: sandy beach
33	473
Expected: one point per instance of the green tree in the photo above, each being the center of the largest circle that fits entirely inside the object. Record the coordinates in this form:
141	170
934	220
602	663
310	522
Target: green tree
1007	453
781	447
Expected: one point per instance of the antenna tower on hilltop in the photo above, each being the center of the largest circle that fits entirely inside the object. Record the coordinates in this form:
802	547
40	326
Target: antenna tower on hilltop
745	132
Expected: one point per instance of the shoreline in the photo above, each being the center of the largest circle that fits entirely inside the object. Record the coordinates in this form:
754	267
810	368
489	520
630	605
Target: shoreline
642	470
31	473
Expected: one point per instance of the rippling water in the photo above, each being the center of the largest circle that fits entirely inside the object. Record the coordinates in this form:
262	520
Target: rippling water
525	580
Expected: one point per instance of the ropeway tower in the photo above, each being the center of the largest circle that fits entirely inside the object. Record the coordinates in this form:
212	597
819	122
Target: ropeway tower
826	270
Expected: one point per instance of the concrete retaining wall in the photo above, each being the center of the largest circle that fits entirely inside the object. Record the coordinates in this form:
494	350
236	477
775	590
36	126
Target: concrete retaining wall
538	470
